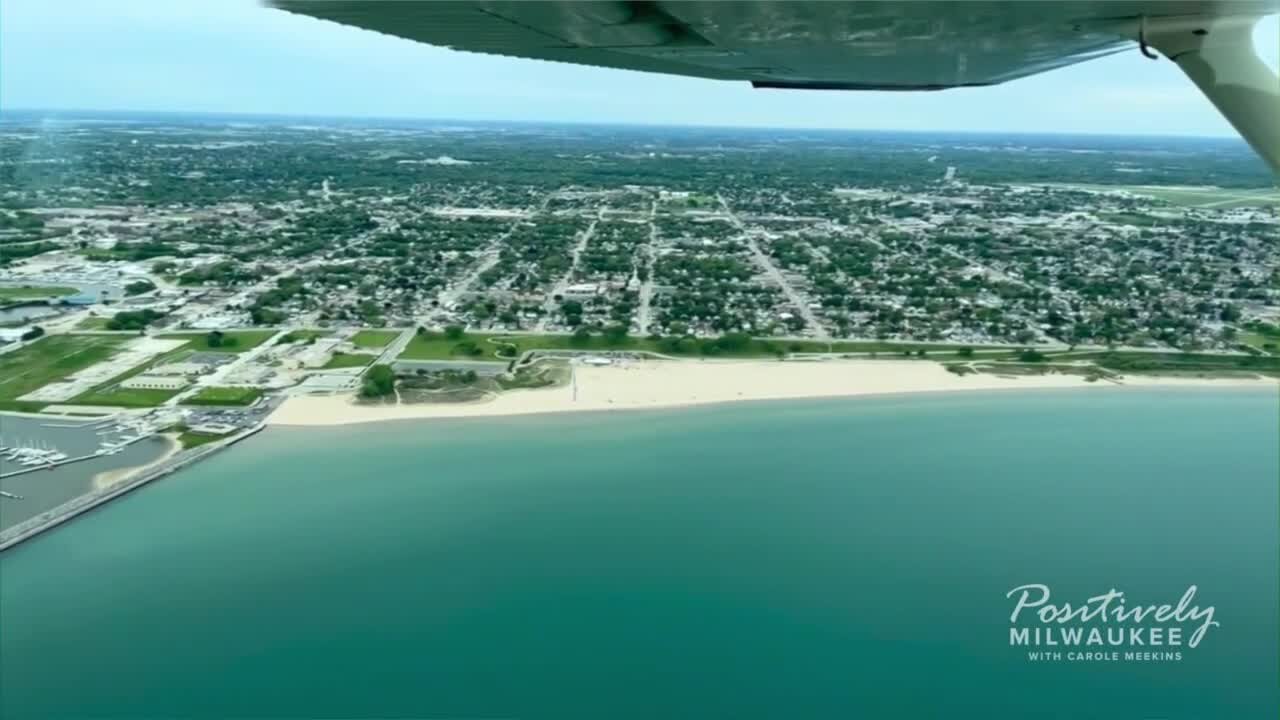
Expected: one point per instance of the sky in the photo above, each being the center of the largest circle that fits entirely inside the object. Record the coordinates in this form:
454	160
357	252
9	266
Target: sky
237	56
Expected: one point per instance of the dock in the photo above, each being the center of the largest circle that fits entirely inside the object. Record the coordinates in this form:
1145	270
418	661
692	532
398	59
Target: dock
50	519
68	461
49	466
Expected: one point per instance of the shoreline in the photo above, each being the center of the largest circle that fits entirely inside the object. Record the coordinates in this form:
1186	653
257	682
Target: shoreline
688	383
133	479
106	479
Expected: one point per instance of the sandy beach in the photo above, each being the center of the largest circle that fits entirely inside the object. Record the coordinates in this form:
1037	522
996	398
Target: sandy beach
698	382
107	478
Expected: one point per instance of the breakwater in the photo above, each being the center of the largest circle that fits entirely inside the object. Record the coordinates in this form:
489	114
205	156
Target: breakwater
84	503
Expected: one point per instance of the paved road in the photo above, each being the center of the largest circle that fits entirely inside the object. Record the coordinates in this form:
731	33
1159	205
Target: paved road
646	287
217	376
397	346
490	257
765	263
584	237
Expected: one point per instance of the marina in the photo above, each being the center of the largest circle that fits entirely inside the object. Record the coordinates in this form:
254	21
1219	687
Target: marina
48	461
113	435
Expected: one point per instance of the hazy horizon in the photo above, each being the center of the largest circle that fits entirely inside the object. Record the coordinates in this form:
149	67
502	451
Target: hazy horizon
6	112
239	57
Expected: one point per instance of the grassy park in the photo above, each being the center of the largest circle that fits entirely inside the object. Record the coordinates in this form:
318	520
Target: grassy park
347	360
93	322
1203	197
112	395
491	346
374	339
47	360
225	396
304	335
38	292
232	341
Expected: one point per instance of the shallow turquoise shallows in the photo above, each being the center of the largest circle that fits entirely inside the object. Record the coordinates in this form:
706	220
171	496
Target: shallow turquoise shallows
834	559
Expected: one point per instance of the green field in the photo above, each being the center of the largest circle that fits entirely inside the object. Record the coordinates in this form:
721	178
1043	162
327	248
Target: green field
233	341
374	338
224	396
302	336
93	323
435	346
194	439
346	360
112	394
1197	197
1264	343
8	294
48	359
1174	363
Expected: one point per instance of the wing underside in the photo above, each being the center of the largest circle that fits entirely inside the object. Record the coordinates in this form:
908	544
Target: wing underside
858	45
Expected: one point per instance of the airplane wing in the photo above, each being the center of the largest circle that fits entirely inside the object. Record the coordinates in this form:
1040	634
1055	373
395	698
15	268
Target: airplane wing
856	45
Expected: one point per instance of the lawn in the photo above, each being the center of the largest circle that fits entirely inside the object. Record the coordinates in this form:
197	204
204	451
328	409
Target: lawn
233	341
1205	197
294	336
1173	363
8	294
194	439
93	322
113	395
374	338
224	396
1264	343
110	392
346	360
435	346
1209	197
48	359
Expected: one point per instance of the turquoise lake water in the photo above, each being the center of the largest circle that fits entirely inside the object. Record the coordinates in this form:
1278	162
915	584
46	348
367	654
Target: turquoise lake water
824	559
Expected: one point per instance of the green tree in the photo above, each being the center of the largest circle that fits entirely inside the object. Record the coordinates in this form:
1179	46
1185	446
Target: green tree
454	332
138	287
1031	355
133	319
467	347
380	381
615	334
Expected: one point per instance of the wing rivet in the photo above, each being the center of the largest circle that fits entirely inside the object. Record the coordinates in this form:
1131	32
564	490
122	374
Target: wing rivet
1200	31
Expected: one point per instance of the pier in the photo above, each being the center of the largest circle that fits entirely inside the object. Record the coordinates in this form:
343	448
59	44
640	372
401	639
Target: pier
49	466
68	461
31	527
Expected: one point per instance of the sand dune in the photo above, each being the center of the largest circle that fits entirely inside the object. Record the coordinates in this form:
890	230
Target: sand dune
697	382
